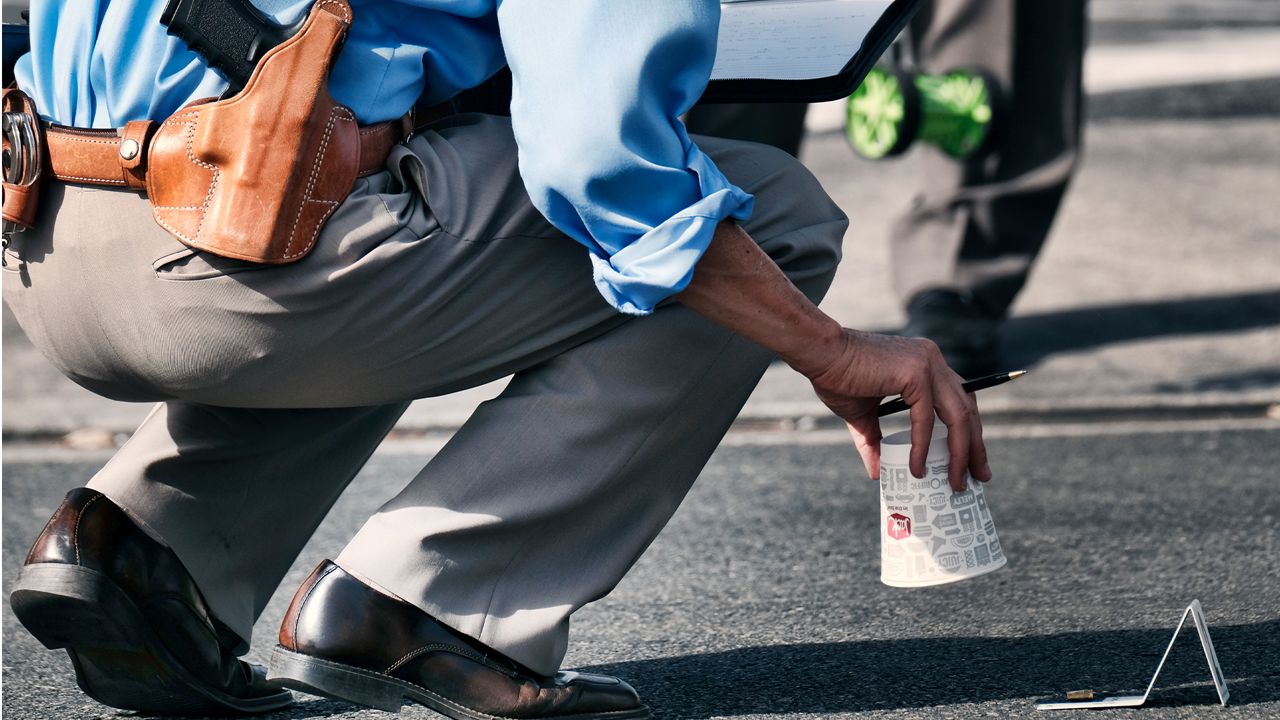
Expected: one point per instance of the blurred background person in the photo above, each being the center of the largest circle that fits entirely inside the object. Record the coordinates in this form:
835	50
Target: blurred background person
963	249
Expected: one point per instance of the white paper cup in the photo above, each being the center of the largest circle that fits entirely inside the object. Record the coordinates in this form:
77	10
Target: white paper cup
930	535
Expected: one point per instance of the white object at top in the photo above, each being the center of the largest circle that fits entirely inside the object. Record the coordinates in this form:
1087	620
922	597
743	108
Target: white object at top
791	39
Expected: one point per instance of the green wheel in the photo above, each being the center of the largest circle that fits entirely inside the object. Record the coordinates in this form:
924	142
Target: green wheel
958	110
882	115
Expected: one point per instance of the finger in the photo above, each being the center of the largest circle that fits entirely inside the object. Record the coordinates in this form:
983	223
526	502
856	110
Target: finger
953	409
958	431
979	465
866	438
921	429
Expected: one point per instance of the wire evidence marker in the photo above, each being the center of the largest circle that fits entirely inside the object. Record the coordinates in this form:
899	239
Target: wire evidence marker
1215	669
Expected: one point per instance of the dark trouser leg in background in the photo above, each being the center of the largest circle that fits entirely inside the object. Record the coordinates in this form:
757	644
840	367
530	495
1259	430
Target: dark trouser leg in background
976	227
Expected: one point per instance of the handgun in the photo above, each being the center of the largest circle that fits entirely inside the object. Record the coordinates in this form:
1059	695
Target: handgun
231	35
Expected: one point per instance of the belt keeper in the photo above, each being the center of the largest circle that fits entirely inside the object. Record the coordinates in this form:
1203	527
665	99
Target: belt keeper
135	140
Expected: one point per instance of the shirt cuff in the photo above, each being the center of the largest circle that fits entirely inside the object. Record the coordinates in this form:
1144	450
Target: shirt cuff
659	263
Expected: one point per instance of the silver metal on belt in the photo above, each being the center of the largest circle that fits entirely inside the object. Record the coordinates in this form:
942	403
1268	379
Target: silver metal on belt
22	158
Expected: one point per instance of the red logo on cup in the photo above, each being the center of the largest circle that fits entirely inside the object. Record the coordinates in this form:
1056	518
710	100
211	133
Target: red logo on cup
899	526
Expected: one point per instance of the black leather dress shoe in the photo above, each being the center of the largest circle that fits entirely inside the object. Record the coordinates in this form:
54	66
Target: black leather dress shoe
345	640
138	631
964	331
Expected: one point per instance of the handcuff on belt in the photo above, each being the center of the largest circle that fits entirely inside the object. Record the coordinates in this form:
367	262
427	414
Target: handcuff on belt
22	161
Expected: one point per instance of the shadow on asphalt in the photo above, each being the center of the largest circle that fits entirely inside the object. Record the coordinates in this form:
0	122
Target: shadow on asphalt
1027	339
824	678
843	677
1196	101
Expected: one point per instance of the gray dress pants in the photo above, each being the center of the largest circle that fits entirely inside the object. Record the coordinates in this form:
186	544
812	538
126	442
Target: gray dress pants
275	384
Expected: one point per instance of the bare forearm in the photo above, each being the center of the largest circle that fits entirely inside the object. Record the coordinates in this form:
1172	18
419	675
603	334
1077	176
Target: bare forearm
738	286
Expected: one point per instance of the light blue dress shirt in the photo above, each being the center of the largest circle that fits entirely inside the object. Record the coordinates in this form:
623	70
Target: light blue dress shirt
598	88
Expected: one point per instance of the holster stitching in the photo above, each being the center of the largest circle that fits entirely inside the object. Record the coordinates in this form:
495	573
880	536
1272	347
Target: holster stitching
69	137
346	12
191	155
337	113
58	176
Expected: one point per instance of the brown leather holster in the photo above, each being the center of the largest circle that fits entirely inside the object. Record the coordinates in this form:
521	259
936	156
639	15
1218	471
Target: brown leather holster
255	176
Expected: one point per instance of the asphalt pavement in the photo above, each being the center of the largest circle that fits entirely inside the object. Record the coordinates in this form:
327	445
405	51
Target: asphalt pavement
762	597
1135	467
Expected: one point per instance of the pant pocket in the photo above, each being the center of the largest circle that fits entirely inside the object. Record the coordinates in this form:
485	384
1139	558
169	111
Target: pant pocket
188	263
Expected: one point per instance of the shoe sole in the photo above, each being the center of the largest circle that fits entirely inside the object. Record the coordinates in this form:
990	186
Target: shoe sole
118	659
383	692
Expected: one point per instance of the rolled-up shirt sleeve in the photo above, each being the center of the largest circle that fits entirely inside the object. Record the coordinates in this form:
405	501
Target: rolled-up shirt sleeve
598	90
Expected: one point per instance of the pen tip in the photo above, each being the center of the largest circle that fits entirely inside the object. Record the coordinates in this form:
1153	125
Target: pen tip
1014	375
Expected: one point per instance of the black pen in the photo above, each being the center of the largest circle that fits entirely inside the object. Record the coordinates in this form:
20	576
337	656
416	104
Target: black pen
898	404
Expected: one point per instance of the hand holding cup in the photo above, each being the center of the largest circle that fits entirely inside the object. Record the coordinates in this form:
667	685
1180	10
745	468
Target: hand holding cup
865	368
